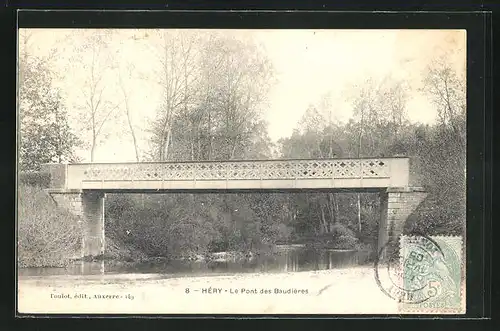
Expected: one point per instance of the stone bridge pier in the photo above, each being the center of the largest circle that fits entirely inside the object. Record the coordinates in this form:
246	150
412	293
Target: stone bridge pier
89	207
396	205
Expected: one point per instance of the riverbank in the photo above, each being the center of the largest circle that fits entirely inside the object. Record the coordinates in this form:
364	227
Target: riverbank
336	291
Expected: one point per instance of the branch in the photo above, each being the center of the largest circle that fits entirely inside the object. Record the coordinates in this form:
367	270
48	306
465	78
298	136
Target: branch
106	117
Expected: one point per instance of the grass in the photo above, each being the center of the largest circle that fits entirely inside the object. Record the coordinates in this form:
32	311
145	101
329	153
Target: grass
48	236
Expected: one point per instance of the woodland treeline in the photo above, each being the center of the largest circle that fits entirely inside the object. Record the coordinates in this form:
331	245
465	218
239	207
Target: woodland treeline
215	91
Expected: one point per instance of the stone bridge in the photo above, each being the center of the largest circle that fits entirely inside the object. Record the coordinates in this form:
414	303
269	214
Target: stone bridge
82	188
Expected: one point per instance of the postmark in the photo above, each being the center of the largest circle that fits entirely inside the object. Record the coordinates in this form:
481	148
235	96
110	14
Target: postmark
424	274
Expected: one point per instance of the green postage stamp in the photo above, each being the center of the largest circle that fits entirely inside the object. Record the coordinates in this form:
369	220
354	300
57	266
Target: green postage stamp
433	272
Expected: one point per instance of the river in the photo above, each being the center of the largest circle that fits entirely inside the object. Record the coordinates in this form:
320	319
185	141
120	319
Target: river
289	258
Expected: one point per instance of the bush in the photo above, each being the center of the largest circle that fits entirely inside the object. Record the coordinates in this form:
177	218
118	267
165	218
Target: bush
117	250
47	235
35	179
346	242
340	230
434	218
343	237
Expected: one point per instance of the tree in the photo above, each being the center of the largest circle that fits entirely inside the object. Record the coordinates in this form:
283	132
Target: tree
94	61
442	153
45	134
214	89
177	54
378	106
126	101
316	137
446	89
240	86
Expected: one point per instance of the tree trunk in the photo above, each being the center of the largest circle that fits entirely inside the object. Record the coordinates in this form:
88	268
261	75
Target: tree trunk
233	150
199	148
134	138
333	210
92	151
336	203
359	212
210	140
323	219
129	120
192	142
167	145
359	155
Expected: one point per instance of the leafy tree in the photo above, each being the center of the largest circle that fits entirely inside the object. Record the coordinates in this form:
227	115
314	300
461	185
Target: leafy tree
45	134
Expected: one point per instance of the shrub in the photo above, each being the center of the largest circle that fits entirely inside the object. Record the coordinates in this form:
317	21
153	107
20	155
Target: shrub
117	250
343	237
346	242
434	217
47	235
35	179
340	230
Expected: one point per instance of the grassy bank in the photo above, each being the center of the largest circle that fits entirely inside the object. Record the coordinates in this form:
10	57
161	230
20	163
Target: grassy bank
48	236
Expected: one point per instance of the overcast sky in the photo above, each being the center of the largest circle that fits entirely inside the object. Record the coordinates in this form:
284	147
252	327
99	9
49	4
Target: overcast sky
308	64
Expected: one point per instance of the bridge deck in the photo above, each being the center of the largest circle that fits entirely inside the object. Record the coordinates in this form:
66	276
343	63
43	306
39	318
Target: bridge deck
233	175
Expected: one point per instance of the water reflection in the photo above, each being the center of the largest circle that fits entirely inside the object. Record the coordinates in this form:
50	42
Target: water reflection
287	259
307	259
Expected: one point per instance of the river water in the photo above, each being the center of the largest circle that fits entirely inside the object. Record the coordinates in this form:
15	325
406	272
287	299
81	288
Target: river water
288	259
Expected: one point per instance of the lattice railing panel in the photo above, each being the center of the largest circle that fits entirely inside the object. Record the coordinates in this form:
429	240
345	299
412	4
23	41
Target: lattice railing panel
243	170
177	171
209	171
347	169
375	168
315	169
276	169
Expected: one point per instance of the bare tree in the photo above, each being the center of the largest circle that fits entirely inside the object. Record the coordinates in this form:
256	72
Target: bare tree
240	77
447	90
214	86
397	99
379	106
126	100
363	105
95	61
176	52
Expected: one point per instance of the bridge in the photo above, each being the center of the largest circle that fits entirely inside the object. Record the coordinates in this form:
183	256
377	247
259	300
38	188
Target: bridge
82	187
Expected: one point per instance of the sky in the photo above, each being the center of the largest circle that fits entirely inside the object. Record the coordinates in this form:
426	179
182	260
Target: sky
307	63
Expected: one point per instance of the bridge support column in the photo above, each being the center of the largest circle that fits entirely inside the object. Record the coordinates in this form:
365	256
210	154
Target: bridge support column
396	206
89	206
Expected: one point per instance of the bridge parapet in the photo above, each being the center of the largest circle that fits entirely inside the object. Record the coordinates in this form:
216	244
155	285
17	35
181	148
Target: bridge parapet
322	173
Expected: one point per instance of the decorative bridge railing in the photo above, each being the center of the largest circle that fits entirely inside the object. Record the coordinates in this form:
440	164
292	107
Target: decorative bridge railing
393	170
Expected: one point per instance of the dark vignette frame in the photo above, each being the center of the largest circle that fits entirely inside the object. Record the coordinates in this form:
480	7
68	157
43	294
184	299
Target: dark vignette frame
477	24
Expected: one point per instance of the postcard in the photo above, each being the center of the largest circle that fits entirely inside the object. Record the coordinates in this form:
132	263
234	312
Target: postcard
266	171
